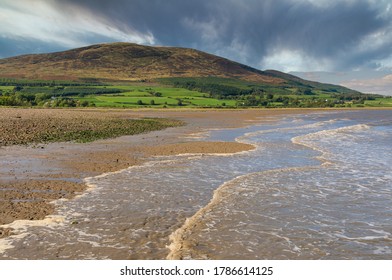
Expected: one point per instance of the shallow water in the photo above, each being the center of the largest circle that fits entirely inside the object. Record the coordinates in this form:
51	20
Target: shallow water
317	186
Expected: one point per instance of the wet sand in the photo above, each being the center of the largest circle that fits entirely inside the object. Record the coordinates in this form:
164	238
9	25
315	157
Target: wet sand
33	176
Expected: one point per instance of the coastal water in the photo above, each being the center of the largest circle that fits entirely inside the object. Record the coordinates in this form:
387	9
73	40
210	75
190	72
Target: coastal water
317	186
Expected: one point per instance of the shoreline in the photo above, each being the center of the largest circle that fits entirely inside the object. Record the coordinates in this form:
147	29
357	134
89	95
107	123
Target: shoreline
34	176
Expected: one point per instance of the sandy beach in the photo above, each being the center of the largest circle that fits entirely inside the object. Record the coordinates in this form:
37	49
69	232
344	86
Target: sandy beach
31	176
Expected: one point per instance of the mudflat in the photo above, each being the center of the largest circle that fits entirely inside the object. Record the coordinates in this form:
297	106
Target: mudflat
34	171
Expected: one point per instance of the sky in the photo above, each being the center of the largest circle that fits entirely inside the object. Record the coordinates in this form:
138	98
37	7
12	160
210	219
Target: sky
347	42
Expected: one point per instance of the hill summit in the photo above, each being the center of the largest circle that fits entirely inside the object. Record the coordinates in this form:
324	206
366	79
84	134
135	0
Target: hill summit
128	62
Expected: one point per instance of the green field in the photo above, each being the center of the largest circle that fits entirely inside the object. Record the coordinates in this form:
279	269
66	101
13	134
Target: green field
153	96
125	96
209	92
379	102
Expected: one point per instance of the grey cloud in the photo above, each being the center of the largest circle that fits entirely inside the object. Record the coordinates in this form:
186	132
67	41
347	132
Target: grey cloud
255	26
249	31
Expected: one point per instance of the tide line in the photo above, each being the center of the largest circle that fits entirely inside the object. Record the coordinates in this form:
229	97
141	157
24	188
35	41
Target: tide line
181	246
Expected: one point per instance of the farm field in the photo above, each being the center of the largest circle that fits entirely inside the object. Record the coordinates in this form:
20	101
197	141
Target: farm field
209	92
154	96
379	102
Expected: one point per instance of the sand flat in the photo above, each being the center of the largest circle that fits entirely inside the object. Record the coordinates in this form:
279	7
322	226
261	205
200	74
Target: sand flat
34	175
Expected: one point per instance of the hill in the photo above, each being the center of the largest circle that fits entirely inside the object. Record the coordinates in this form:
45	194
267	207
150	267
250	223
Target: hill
131	75
132	62
127	62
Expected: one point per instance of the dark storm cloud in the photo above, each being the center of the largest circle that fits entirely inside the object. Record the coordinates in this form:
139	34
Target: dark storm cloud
285	34
251	30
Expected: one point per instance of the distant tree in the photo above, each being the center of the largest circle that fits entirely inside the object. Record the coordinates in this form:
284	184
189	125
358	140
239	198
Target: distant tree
263	103
308	92
139	102
295	102
251	100
270	96
152	102
179	103
84	103
17	88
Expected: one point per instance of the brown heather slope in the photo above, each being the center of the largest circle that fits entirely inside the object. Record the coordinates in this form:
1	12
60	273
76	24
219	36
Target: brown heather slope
126	61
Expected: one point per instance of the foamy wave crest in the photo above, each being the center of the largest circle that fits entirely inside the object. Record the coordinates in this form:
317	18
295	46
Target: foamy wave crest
282	129
183	245
20	229
312	140
329	133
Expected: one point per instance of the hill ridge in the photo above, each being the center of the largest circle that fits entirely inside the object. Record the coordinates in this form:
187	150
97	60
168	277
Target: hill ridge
128	61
